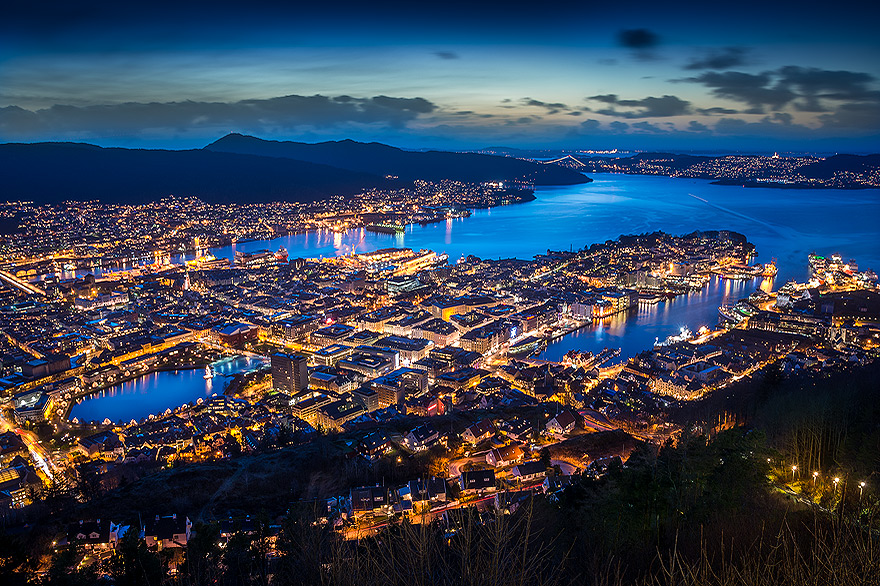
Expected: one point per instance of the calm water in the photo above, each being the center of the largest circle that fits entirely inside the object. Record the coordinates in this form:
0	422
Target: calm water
784	224
154	393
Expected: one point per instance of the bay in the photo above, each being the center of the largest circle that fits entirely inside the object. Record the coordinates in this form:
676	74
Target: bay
154	393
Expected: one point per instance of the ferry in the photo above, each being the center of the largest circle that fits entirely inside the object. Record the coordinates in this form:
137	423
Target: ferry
385	228
529	345
281	255
737	312
209	373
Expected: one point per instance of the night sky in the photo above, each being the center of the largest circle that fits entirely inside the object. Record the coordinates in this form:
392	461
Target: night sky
753	76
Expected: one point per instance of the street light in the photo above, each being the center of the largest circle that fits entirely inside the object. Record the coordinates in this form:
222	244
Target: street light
793	470
861	488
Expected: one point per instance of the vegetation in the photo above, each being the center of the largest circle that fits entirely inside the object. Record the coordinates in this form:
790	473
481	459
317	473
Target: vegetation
721	510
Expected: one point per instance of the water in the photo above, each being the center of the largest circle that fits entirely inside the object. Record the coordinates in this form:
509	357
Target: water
638	329
783	224
156	392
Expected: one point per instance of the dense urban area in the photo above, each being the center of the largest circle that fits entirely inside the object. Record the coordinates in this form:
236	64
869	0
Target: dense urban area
391	391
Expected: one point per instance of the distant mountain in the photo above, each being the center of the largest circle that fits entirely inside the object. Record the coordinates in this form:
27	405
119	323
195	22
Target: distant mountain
380	159
847	163
54	172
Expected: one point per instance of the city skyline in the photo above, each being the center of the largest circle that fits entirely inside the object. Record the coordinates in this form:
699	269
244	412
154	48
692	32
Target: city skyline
455	77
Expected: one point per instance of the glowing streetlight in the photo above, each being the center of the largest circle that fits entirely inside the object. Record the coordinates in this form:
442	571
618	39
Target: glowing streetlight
793	470
836	480
861	488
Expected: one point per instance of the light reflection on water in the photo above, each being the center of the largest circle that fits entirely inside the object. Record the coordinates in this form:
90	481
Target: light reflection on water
155	392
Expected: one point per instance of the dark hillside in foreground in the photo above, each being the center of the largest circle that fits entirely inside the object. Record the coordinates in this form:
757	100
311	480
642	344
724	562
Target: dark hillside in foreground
380	159
55	172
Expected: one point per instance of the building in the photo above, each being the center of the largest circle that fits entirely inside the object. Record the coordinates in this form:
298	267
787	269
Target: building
334	415
504	456
11	445
529	471
290	372
477	481
35	407
563	423
421	438
165	532
479	431
395	386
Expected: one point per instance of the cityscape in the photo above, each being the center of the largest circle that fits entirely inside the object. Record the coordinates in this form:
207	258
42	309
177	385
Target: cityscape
348	339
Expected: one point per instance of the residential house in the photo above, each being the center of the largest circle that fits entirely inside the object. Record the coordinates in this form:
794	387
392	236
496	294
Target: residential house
477	481
562	423
479	431
169	531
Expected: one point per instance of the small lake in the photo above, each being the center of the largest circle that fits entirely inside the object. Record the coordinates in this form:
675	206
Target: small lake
156	392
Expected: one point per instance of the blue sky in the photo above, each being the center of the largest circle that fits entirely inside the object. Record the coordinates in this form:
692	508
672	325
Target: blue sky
744	76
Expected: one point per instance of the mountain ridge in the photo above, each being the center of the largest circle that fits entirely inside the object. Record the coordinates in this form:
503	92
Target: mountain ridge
383	160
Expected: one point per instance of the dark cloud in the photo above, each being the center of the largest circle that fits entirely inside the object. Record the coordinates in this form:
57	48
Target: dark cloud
695	126
641	42
806	89
834	85
854	115
716	111
756	90
638	39
446	54
590	125
648	127
720	59
618	126
777	126
551	107
286	112
650	107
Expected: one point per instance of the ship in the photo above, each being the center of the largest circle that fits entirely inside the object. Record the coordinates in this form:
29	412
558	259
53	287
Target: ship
769	269
281	255
254	259
209	373
385	228
737	312
529	345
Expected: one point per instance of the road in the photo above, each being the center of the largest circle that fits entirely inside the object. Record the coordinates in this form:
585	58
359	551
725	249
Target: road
455	465
39	454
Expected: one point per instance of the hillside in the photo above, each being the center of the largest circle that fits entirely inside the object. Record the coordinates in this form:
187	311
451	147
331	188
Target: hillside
55	172
382	160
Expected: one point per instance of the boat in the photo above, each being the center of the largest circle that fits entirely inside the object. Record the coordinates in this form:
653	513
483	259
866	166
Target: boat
737	312
385	228
769	269
209	373
530	345
683	335
281	255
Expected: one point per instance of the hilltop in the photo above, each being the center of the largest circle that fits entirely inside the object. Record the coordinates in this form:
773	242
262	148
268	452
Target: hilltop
381	159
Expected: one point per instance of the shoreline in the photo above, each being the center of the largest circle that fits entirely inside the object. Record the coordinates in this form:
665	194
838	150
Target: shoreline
77	399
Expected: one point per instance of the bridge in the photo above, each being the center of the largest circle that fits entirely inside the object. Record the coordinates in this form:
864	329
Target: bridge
20	284
567	161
